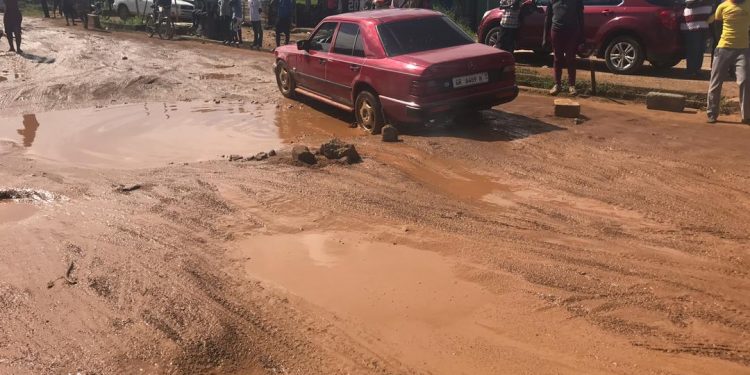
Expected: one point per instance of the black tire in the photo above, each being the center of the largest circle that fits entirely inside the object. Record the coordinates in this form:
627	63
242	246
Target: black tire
285	80
165	29
150	25
369	112
493	36
665	64
624	55
123	12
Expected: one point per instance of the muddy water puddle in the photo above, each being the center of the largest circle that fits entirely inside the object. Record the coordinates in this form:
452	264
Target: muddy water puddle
11	212
154	134
409	298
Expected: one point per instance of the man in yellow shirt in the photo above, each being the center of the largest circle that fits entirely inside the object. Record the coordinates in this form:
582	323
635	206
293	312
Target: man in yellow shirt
733	50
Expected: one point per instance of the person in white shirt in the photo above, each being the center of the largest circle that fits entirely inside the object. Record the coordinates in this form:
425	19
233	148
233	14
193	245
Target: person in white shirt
255	11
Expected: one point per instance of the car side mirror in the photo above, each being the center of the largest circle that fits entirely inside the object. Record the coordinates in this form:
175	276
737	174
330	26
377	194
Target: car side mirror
303	45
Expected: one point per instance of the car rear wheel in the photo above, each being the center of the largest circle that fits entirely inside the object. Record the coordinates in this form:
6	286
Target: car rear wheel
123	12
285	80
369	113
624	55
493	36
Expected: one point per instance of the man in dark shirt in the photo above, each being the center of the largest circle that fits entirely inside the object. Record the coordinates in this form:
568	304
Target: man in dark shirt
564	27
12	20
284	22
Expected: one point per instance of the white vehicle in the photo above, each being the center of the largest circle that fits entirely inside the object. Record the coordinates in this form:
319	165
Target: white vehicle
181	10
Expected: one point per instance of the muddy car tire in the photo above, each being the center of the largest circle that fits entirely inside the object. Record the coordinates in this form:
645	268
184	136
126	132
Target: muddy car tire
624	55
123	12
493	36
285	80
369	112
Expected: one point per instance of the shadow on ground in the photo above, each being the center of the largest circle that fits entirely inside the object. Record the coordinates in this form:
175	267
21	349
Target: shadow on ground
531	59
493	126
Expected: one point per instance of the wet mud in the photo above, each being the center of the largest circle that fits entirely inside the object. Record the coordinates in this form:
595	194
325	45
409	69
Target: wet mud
520	244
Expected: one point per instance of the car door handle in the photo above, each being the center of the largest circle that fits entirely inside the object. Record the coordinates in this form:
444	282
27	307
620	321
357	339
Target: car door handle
322	61
354	67
607	12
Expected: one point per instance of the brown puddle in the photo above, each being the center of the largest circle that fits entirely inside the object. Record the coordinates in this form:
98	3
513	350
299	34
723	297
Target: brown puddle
14	212
145	135
409	298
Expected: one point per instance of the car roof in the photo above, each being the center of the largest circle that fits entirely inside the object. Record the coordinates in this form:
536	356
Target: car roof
384	15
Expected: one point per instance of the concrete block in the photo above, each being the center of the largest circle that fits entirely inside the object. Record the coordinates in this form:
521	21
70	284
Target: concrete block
665	102
567	108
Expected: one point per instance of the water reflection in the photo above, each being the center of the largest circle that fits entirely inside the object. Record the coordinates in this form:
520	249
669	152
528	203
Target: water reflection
30	125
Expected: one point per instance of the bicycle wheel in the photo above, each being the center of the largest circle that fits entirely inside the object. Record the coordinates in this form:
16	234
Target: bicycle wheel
150	25
166	28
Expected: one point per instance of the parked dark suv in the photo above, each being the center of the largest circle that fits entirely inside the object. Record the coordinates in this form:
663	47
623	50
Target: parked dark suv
623	32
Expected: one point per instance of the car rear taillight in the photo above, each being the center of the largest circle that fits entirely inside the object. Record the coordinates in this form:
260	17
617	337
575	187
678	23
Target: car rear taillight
426	88
669	19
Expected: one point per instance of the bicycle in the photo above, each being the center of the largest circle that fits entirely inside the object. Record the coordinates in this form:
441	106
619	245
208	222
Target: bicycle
103	9
160	22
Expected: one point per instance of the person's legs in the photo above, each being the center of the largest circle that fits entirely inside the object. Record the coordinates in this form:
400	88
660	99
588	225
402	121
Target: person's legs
741	66
278	33
571	52
722	61
700	50
18	39
508	39
257	34
9	35
45	8
287	30
558	49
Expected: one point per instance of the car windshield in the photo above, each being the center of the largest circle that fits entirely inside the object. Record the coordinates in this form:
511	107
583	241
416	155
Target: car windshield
420	35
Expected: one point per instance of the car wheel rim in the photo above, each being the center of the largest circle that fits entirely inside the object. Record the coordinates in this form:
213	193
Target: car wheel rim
284	80
623	55
366	114
493	38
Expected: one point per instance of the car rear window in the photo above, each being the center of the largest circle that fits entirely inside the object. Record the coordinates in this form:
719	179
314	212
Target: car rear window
424	34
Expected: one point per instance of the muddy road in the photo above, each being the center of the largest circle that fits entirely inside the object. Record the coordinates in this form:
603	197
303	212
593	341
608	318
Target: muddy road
524	245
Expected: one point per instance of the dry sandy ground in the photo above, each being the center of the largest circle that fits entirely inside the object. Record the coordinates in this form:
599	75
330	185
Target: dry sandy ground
524	245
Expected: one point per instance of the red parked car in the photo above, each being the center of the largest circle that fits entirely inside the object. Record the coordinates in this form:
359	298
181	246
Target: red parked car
396	66
623	32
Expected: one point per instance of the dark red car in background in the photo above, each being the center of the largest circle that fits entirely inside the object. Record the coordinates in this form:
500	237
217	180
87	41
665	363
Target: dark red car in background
623	32
397	66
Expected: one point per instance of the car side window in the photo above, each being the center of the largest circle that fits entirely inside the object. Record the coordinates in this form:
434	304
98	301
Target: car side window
345	39
359	45
321	40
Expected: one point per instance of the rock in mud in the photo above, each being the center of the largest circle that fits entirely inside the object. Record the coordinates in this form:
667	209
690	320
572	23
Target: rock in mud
127	188
235	157
261	156
272	153
335	149
302	154
390	134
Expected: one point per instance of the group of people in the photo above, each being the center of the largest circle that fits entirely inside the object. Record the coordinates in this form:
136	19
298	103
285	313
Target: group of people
564	33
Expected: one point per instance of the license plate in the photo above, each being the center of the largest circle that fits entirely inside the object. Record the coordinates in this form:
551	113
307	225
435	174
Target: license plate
471	80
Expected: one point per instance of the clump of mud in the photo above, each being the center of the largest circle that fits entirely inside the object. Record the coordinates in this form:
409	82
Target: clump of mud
31	195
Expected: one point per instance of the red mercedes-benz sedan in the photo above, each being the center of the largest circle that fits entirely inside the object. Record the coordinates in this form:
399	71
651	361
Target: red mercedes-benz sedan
396	66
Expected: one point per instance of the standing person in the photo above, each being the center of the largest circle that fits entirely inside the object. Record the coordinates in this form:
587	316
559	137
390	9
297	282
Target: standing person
284	21
563	24
12	20
225	21
45	8
56	8
731	52
509	25
236	22
255	21
695	31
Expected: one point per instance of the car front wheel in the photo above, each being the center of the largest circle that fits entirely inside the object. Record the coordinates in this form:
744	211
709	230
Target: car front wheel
369	113
624	55
493	36
123	12
285	80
